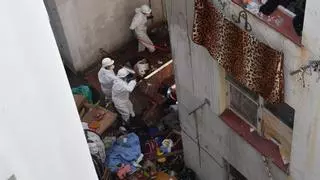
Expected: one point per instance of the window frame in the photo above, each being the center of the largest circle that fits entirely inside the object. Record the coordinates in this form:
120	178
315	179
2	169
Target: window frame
229	169
280	135
259	102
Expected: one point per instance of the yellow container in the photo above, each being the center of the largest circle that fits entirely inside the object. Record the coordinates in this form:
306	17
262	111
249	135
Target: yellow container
159	153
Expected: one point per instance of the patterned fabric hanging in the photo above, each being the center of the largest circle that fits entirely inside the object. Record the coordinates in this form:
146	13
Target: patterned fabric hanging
249	61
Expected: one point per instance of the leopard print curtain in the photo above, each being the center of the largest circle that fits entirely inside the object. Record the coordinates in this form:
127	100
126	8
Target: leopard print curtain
249	61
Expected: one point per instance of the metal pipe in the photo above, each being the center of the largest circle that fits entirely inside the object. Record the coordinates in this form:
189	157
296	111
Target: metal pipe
313	63
303	68
206	101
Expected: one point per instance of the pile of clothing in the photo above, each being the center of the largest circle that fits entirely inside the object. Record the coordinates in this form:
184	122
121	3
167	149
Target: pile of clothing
125	151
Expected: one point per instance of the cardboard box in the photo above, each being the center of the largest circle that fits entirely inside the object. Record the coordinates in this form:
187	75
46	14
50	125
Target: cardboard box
106	122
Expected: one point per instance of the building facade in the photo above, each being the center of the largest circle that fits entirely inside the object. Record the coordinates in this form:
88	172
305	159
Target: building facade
220	138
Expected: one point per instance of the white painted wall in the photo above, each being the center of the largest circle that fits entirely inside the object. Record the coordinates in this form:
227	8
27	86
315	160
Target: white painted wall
90	25
40	133
198	76
305	101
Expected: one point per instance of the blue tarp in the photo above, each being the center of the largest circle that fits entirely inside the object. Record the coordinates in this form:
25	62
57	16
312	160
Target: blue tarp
125	150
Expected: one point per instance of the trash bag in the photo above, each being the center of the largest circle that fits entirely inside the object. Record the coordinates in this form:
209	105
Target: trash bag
98	165
84	91
96	145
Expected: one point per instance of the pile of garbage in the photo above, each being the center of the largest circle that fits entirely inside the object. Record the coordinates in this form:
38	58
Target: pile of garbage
153	152
146	156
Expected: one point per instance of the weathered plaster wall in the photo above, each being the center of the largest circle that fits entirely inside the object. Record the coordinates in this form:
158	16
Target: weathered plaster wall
82	27
41	133
199	77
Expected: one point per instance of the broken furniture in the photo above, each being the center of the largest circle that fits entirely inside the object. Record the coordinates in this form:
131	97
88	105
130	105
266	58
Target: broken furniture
150	86
153	81
100	117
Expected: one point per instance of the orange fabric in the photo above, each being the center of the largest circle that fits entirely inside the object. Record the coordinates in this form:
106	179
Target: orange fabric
94	125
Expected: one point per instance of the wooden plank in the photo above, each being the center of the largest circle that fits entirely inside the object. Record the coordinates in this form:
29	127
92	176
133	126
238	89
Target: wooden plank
276	131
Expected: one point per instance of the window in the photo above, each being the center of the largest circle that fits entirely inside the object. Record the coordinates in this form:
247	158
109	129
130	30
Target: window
244	103
285	16
249	105
284	112
232	173
273	122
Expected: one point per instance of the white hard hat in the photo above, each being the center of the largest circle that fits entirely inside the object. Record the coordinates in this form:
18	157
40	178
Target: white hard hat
107	62
123	72
145	9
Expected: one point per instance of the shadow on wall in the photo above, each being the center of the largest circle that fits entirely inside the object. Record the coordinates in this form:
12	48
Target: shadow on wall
81	28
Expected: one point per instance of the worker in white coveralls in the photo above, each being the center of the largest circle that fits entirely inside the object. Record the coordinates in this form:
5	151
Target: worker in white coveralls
120	94
139	26
106	78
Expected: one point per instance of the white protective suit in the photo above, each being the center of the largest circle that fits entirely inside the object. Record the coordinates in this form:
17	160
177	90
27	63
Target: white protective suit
120	96
106	78
138	24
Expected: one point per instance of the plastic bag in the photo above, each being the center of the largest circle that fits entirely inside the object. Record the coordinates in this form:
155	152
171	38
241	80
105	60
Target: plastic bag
84	91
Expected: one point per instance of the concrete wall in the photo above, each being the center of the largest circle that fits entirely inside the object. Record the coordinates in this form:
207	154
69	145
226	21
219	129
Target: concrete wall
198	76
41	135
82	27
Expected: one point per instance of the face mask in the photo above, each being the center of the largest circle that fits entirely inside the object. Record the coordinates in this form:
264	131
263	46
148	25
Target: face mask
147	14
111	67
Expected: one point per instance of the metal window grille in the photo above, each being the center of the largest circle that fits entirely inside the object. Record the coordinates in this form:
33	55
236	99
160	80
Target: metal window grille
243	104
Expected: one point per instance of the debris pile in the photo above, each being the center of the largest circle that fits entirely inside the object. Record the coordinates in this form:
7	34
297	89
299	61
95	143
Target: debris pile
143	142
152	151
